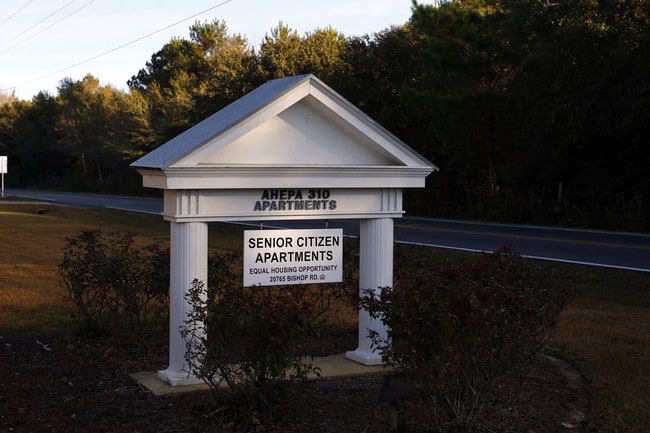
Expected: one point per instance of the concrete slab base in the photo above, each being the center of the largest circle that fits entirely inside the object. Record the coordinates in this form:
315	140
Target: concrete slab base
150	381
330	366
365	358
340	366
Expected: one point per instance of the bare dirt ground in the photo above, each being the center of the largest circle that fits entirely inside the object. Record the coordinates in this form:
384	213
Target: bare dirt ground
55	384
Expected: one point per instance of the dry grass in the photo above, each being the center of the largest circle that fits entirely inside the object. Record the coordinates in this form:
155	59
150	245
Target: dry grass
611	343
32	237
605	330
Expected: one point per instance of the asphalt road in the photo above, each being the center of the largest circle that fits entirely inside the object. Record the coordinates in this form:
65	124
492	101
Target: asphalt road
629	251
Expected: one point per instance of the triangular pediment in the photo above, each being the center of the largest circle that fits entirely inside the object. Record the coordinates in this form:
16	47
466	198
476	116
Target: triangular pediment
305	133
293	122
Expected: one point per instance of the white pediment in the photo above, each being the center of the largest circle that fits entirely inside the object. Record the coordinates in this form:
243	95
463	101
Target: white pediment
290	131
303	134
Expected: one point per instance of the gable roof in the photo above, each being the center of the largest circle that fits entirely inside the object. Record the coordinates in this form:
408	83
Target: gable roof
289	124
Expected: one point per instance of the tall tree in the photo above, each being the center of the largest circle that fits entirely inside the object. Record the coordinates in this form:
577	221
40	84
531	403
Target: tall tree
284	53
176	57
96	128
322	52
376	77
10	111
582	88
280	52
27	135
187	80
462	90
230	67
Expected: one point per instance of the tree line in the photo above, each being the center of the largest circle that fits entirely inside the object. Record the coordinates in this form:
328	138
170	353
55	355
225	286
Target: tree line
534	111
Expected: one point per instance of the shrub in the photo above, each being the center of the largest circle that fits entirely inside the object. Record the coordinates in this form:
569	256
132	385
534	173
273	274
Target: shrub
110	283
247	343
457	329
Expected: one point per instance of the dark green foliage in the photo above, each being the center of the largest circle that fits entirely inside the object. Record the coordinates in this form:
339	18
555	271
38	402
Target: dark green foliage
456	330
535	112
111	284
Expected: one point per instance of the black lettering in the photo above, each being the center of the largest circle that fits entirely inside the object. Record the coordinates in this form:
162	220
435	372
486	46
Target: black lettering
292	200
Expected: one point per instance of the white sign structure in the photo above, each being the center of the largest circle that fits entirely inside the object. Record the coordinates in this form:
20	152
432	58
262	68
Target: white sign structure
292	149
285	257
3	171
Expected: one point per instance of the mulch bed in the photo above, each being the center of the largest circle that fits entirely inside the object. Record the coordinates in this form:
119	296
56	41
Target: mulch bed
56	384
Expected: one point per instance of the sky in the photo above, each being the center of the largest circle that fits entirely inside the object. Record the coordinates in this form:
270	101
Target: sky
44	41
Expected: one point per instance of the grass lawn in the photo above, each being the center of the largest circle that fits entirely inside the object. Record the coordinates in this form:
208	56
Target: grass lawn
604	332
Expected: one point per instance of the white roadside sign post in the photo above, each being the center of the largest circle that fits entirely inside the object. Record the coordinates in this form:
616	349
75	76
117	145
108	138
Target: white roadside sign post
287	257
3	170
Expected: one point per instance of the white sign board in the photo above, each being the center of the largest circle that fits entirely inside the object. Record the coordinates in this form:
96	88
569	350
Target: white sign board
283	257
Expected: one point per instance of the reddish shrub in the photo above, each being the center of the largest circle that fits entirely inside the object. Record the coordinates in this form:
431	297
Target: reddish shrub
456	329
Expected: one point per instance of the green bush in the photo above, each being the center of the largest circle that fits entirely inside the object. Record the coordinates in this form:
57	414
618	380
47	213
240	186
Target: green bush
110	283
456	330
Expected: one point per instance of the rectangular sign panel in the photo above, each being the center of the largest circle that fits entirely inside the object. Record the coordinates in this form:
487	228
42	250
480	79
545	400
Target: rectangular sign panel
284	257
3	164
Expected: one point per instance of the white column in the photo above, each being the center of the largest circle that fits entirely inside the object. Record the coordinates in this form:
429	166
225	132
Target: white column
375	272
188	261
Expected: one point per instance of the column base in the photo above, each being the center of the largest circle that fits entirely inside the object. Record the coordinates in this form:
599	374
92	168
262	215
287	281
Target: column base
178	377
364	357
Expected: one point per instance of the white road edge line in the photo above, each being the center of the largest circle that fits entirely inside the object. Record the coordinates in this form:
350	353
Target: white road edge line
549	259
